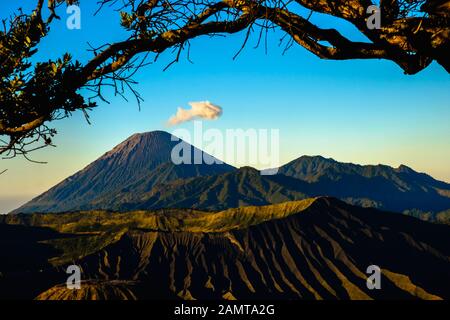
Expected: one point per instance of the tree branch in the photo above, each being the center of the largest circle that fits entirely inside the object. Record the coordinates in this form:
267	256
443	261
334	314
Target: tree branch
412	35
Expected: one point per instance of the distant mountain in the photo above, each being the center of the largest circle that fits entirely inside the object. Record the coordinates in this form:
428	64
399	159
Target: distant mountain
311	249
139	174
131	168
381	186
394	189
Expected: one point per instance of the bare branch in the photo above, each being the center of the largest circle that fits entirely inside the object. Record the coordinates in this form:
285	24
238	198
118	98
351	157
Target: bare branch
413	34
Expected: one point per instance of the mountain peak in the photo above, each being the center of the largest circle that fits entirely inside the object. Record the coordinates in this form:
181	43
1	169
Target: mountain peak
248	169
316	158
150	136
148	147
405	169
130	169
147	134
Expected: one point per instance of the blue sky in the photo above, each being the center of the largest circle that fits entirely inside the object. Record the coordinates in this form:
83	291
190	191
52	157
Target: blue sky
365	112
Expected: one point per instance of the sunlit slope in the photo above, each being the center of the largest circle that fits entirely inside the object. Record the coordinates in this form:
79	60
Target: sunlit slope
93	230
161	220
314	249
92	290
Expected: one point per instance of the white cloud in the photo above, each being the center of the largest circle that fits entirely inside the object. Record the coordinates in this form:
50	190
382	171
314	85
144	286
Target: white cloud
199	109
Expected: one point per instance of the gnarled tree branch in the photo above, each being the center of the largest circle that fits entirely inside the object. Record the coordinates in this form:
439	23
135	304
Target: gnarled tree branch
412	35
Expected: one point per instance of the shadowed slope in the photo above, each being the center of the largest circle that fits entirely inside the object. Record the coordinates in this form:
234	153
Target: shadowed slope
23	255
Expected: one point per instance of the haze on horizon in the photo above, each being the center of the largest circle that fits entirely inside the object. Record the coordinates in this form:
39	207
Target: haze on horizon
364	112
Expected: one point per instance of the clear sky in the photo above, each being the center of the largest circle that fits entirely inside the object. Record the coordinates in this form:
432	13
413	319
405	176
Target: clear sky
365	112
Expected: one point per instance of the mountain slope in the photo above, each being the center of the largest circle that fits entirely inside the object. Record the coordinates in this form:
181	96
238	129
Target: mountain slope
242	187
381	187
312	249
137	164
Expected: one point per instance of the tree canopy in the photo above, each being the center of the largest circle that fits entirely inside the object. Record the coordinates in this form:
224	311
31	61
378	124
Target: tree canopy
412	34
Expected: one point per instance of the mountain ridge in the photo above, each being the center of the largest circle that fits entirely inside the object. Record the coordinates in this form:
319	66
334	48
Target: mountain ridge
392	187
139	174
